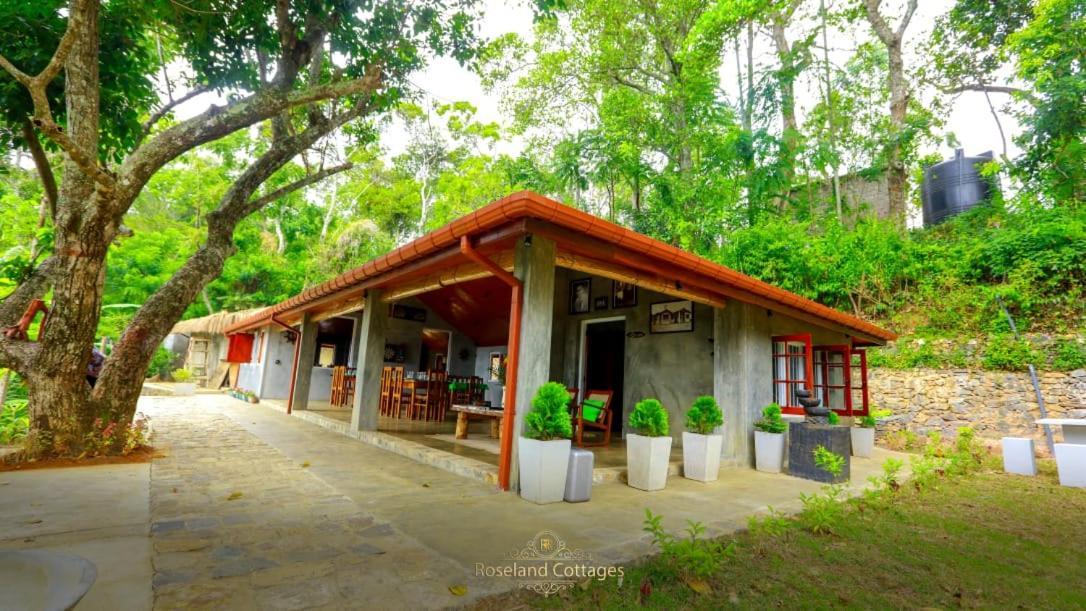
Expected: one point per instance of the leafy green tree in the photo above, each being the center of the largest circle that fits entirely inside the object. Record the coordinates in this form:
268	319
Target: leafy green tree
304	69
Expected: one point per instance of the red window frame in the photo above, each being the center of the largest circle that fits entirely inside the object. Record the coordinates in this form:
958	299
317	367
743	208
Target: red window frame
822	382
860	364
788	405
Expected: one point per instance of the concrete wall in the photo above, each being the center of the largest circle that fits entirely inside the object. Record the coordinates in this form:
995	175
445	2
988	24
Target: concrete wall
675	368
410	333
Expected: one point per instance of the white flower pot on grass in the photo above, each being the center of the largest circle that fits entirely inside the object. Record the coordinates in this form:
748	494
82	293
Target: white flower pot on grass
768	451
543	466
701	456
647	460
863	441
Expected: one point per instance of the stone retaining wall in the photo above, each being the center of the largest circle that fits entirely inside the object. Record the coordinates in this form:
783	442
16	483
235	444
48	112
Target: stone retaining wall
994	403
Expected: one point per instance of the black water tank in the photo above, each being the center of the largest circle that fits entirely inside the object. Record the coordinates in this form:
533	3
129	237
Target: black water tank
954	186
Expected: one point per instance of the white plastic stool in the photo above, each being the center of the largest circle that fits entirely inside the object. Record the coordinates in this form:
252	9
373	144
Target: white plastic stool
1018	456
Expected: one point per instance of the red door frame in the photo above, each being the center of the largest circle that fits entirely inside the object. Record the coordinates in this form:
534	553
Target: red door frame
864	409
805	338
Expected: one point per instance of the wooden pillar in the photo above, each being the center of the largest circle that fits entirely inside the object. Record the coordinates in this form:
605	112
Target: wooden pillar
370	361
307	354
534	266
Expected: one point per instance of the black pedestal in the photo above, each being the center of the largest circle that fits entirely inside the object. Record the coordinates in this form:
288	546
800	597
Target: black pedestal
803	438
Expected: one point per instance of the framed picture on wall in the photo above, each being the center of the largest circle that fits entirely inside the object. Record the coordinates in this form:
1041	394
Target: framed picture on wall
406	312
623	294
580	296
671	317
600	303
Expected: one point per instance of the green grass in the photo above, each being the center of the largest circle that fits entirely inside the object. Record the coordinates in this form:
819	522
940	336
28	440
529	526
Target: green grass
983	540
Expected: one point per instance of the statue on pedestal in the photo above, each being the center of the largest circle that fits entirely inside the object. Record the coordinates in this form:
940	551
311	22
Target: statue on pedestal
815	414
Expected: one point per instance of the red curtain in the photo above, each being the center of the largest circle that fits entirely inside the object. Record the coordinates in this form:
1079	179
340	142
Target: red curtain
241	348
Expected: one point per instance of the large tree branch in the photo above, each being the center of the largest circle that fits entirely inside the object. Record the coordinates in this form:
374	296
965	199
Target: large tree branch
910	10
311	179
987	89
166	108
874	17
36	86
217	122
121	375
41	163
33	287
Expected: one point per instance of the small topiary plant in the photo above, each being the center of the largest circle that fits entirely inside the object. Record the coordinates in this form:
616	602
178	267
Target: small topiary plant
649	418
549	417
704	416
771	421
866	422
833	418
181	375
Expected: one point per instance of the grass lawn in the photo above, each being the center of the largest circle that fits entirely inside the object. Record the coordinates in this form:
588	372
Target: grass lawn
983	540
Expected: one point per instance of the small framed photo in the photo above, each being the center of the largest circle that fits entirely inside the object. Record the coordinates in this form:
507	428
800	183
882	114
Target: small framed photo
623	294
671	317
580	296
600	303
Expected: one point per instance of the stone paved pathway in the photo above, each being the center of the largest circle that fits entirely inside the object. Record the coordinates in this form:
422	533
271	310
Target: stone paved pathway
236	524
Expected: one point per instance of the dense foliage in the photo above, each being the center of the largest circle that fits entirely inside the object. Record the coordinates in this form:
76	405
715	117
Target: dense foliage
649	418
703	416
549	417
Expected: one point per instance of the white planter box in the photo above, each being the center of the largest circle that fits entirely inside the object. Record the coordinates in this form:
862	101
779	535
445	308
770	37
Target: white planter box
1071	464
1019	456
184	389
647	460
543	466
701	456
863	441
768	451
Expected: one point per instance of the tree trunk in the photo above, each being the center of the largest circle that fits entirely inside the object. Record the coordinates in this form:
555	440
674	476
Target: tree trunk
897	177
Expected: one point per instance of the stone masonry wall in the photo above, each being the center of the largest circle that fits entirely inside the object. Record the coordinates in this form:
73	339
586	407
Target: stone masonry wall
994	403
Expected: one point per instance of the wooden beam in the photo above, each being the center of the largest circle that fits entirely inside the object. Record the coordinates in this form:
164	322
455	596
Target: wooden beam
642	279
463	272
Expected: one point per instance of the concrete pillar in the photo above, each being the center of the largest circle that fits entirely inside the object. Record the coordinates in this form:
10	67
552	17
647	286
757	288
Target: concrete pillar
370	362
742	375
307	354
534	266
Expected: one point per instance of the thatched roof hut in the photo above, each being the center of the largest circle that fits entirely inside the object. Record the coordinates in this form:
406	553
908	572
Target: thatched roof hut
213	324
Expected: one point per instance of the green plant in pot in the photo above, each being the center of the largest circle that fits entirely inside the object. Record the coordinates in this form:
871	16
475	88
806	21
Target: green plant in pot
184	385
543	454
648	451
769	439
863	436
701	447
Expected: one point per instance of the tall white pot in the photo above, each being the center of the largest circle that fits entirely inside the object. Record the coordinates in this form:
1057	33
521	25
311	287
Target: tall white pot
647	460
701	456
543	466
863	441
768	451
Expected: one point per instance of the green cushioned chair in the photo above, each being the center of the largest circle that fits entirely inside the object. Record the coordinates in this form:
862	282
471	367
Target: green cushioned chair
594	414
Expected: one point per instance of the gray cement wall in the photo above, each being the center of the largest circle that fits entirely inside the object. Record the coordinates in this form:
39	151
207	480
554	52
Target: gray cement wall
675	368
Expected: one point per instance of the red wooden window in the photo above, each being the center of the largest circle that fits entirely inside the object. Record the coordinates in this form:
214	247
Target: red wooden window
858	379
792	369
832	379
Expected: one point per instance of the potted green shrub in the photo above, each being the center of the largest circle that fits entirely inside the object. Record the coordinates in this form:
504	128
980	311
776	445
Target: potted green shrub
544	449
701	447
182	385
769	440
863	436
648	451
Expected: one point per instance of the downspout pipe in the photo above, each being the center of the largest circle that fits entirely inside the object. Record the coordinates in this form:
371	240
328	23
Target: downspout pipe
294	363
517	303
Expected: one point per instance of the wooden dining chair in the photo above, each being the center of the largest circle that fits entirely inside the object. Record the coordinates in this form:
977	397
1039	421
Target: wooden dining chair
336	397
600	424
392	391
433	403
349	379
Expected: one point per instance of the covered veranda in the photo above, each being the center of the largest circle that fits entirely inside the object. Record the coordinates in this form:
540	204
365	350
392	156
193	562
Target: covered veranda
531	281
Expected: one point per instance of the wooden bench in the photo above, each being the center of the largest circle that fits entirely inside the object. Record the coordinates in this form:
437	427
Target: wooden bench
465	413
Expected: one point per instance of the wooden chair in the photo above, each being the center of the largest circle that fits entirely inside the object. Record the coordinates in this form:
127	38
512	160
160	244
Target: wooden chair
601	424
391	391
433	404
338	390
349	380
573	403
